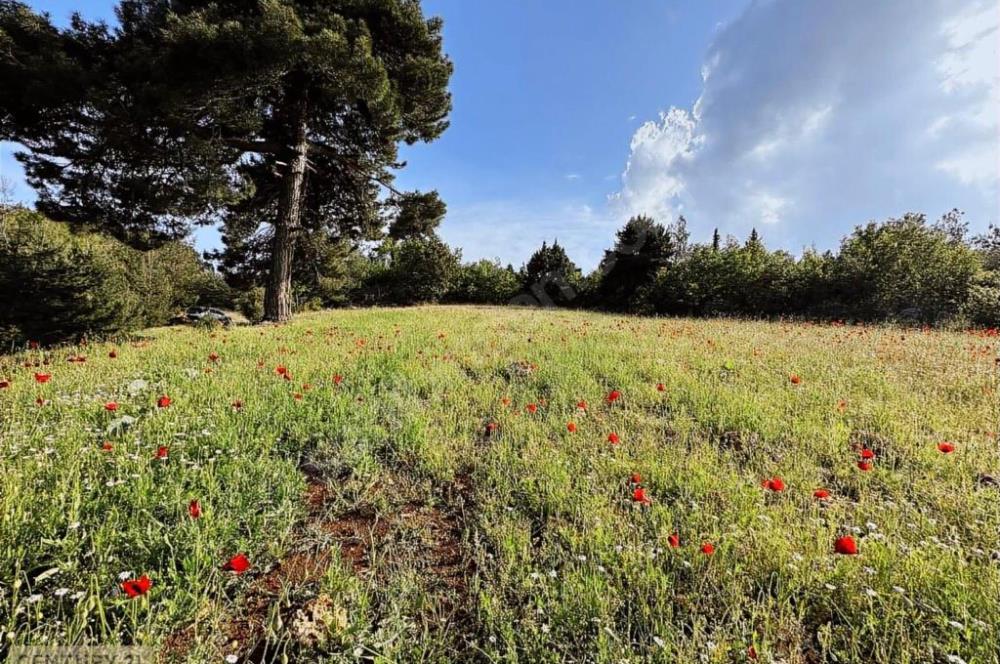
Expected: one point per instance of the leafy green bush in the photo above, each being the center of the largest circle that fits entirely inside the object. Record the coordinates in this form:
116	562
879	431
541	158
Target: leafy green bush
485	282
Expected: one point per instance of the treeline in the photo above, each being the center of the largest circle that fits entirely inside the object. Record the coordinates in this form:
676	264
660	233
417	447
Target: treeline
58	285
904	270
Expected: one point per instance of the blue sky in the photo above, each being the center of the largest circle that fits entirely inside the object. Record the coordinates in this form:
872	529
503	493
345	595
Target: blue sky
799	118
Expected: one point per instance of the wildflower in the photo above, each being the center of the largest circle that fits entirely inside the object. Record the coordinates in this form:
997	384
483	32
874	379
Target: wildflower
775	484
113	353
237	405
281	370
213	357
162	452
821	494
42	378
674	540
61	592
796	379
865	465
660	387
297	396
136	587
107	446
238	564
639	496
867	454
571	427
111	406
636	478
532	407
846	545
505	401
581	405
613	396
194	509
946	447
491	427
708	548
163	402
4	384
613	438
842	406
338	379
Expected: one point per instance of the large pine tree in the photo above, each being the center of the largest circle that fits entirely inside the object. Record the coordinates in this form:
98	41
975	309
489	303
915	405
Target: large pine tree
278	116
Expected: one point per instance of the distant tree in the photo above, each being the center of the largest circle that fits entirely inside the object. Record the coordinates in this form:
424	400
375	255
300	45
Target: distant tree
419	215
219	110
550	277
905	268
642	248
423	269
485	282
716	240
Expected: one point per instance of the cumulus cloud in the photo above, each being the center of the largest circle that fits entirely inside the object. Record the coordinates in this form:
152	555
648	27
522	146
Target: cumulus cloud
815	116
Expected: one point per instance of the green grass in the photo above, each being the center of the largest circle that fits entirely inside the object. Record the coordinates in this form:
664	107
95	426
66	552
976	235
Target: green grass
434	540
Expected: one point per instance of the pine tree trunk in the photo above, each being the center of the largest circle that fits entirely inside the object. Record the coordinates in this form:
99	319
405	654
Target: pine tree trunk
278	294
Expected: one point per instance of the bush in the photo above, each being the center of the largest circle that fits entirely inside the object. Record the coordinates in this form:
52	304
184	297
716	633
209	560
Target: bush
485	282
982	307
88	284
422	269
56	286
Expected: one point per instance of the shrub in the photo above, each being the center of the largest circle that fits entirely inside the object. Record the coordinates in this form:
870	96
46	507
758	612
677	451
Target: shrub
485	282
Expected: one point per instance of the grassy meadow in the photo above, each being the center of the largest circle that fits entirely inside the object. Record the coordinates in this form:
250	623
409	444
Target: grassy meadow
506	485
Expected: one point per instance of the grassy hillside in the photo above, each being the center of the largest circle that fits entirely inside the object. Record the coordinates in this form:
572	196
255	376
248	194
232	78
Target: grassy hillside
473	484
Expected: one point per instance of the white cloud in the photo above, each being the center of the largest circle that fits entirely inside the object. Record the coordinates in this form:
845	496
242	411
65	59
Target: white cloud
572	176
815	116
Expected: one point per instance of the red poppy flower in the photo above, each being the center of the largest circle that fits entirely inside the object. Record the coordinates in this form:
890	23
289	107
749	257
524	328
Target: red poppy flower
238	563
846	546
582	405
636	478
505	401
865	465
162	452
775	484
213	357
795	378
614	395
821	494
194	509
136	587
660	387
42	377
237	405
41	401
298	396
163	402
113	354
842	405
674	540
571	427
532	407
491	427
867	454
752	653
946	447
281	370
111	406
338	379
613	438
708	548
4	384
107	446
639	496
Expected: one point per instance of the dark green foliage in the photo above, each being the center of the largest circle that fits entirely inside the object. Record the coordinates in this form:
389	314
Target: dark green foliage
485	282
418	215
422	269
57	285
550	278
642	248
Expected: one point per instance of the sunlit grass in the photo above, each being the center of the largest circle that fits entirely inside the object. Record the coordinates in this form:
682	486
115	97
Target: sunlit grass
562	563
